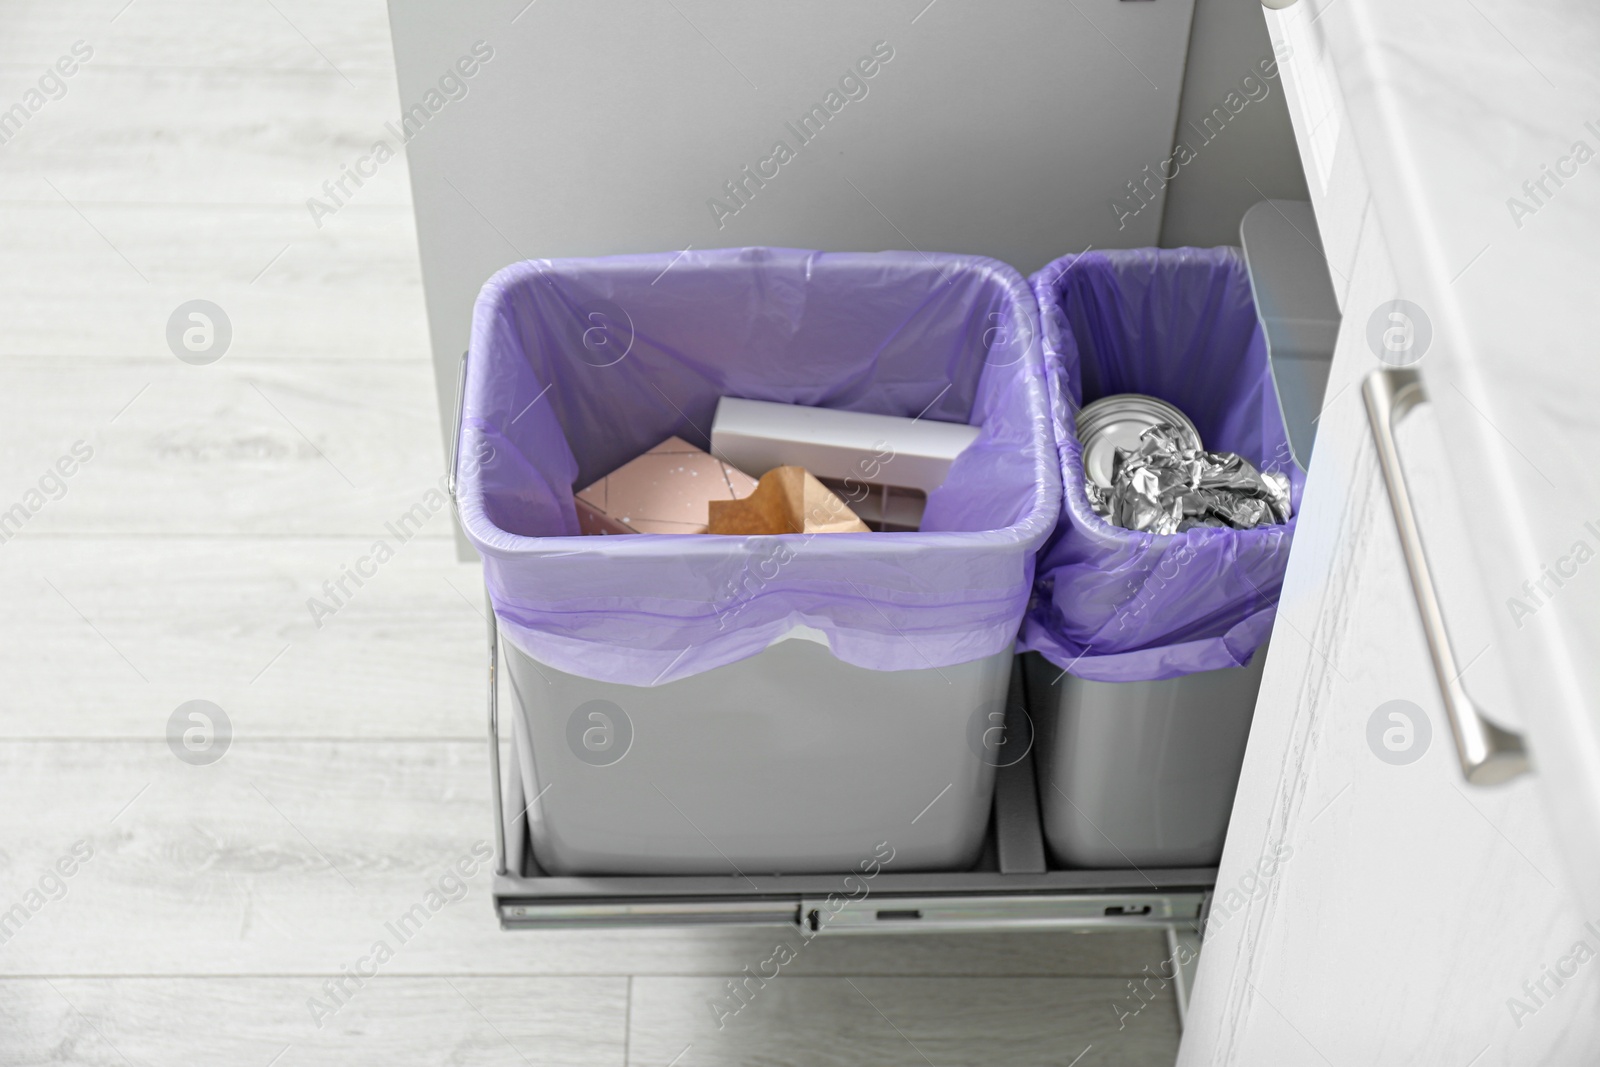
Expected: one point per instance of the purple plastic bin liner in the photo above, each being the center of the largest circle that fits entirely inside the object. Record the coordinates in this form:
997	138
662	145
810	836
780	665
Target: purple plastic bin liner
1117	605
578	365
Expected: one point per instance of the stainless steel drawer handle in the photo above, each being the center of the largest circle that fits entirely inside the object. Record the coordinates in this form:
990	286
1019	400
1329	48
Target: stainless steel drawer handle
1489	754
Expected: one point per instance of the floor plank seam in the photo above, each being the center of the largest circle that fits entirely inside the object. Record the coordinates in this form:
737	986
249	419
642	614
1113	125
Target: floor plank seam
449	739
627	1025
553	976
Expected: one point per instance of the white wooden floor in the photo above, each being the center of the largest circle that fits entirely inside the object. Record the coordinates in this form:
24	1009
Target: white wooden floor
217	901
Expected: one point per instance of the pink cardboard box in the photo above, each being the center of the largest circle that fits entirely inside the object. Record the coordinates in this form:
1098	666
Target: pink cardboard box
666	490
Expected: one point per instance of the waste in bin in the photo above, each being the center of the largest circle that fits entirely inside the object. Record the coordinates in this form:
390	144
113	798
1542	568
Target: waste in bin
696	703
1144	656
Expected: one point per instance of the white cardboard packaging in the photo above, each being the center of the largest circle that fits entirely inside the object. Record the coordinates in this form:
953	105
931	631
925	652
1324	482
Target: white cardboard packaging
879	450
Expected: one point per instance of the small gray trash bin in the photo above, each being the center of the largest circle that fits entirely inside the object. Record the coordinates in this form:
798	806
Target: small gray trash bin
1141	739
1139	774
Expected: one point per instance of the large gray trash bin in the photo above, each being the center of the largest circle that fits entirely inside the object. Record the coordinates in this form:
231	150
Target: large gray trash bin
1139	774
701	704
788	762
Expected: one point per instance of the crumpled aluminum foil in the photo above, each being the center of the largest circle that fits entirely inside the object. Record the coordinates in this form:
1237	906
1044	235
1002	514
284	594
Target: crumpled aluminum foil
1164	487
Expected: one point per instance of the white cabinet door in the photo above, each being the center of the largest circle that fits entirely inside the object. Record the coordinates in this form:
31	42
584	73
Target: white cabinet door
1405	917
1372	907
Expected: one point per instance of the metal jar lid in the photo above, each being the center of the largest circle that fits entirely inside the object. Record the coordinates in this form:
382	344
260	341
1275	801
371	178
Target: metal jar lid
1117	421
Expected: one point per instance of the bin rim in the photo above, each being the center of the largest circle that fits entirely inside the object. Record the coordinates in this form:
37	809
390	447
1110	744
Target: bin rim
1094	525
1027	534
